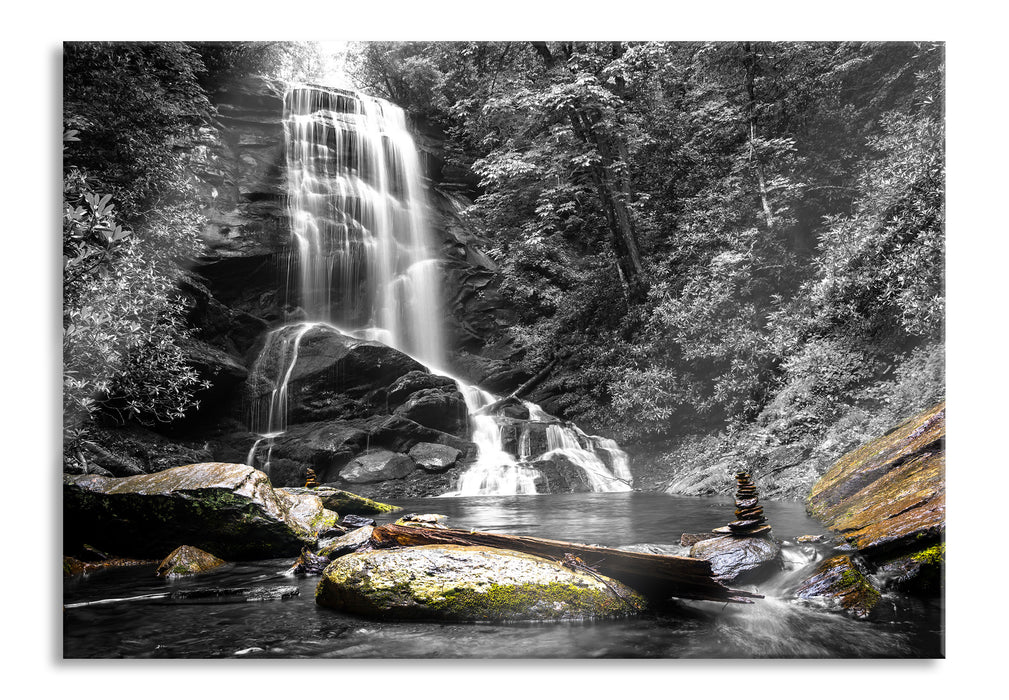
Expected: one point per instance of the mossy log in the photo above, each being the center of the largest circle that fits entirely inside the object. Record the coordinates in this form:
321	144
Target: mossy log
655	576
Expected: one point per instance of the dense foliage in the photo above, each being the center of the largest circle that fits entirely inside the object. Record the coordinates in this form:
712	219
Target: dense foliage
134	116
703	233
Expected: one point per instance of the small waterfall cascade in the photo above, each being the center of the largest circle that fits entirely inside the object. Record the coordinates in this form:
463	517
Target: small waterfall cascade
362	263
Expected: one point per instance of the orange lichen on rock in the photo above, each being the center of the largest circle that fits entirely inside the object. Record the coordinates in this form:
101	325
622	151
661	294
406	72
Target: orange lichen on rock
889	493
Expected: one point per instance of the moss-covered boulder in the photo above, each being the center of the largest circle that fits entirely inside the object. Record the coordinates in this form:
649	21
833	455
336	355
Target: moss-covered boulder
229	509
838	579
188	561
739	559
445	582
345	502
889	495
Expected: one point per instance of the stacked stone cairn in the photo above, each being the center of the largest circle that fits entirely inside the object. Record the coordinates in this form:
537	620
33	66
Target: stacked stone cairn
310	479
749	515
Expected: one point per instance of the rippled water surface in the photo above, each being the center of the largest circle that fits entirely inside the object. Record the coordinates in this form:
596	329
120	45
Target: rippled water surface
777	626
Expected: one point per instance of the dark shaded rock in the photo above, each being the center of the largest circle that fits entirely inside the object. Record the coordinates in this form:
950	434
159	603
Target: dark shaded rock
433	457
230	509
335	376
889	494
377	465
351	542
920	573
469	584
352	522
441	409
309	564
558	474
133	450
739	559
400	434
215	365
188	561
509	407
839	579
415	381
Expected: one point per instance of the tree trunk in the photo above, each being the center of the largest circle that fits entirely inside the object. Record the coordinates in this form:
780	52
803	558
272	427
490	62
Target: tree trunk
750	62
614	190
656	576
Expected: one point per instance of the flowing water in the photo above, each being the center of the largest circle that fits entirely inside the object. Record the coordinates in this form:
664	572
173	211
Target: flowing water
363	263
777	626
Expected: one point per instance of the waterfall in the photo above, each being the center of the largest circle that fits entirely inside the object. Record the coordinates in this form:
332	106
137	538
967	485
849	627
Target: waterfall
362	262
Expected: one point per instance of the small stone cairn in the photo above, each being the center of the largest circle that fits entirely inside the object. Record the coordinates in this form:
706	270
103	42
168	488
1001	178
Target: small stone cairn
310	479
749	515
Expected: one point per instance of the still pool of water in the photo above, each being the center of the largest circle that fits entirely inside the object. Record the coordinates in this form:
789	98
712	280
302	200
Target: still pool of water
776	626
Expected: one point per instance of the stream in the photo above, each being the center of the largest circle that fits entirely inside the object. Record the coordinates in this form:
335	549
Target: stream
777	626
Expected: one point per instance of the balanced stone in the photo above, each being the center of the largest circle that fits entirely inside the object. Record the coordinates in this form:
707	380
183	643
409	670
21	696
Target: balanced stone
749	516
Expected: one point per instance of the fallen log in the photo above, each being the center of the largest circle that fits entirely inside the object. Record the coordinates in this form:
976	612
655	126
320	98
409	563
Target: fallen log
655	576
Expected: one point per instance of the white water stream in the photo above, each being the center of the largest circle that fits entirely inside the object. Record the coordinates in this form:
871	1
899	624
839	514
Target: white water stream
363	264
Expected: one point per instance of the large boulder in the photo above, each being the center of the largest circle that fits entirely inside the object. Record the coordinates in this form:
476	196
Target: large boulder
739	559
446	582
377	465
439	408
412	382
333	375
889	495
229	509
558	474
432	457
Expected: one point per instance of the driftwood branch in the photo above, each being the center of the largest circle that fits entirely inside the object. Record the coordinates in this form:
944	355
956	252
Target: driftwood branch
655	576
530	384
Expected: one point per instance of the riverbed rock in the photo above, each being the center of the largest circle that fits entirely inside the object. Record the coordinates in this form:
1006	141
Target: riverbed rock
229	509
351	542
455	583
739	559
839	579
309	564
377	465
188	561
919	573
889	495
352	521
432	457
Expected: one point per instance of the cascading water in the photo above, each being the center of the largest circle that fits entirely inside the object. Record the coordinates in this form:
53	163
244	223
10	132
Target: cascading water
362	264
